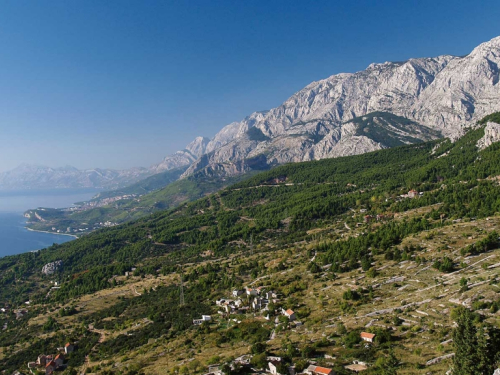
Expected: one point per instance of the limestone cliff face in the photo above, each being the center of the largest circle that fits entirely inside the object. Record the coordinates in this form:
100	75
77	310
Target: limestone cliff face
184	157
440	94
491	135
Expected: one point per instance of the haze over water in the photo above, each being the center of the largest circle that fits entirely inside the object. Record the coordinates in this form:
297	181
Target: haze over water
14	237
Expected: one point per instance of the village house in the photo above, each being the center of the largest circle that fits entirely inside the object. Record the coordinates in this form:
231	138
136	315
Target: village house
50	368
368	337
290	314
357	366
59	360
317	370
270	295
273	367
412	194
32	365
41	360
251	292
222	302
238	292
204	318
259	303
68	348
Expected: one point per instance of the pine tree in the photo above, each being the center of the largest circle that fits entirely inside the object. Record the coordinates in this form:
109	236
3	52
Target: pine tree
477	346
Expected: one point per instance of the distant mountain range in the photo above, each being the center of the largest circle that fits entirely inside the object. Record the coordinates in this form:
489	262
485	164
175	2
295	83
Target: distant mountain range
28	176
346	114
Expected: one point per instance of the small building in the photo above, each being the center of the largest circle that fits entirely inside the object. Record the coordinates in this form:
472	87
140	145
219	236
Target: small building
318	370
368	337
68	348
59	360
367	218
259	303
41	360
356	367
412	194
251	292
273	367
290	314
204	318
50	368
238	292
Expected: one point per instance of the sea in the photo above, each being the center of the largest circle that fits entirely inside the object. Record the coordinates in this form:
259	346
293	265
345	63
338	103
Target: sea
14	237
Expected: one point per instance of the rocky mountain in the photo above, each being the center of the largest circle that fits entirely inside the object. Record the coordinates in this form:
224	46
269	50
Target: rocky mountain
184	157
442	94
383	106
41	177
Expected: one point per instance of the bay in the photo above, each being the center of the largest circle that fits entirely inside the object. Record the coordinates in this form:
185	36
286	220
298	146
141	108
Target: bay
14	237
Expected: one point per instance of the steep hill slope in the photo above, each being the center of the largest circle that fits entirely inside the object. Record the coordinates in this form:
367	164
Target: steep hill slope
388	242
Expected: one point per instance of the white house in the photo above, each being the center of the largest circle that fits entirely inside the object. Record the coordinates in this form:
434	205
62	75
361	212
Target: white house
290	314
273	367
368	337
238	292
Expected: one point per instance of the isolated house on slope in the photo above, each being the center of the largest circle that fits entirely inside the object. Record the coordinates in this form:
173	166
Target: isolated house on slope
368	337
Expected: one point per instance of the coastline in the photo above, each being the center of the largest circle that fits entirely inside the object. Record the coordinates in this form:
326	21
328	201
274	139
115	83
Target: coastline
46	231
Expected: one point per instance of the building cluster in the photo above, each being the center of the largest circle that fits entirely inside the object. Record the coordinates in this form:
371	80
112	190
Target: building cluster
275	366
51	362
243	300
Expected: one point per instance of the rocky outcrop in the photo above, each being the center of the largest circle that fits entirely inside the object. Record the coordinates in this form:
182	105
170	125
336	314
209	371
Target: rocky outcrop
442	94
183	158
52	267
491	135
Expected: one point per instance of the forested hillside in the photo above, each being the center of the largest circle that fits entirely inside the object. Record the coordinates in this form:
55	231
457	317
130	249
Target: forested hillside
340	241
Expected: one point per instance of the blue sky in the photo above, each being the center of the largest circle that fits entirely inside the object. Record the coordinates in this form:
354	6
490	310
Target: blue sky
123	83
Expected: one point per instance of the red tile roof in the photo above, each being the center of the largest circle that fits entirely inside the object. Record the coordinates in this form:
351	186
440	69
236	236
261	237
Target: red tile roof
366	335
68	344
323	370
51	363
289	312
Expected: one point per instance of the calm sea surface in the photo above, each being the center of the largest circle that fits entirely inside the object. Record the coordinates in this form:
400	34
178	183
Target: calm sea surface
14	237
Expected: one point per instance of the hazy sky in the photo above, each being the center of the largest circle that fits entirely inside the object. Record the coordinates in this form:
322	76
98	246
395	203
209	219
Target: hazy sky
123	83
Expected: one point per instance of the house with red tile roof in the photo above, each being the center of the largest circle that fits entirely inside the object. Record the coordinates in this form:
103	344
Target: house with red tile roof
290	314
368	337
318	370
50	368
59	360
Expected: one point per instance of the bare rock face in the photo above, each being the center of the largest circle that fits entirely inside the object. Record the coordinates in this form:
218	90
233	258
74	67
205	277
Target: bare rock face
182	158
491	135
52	267
433	97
